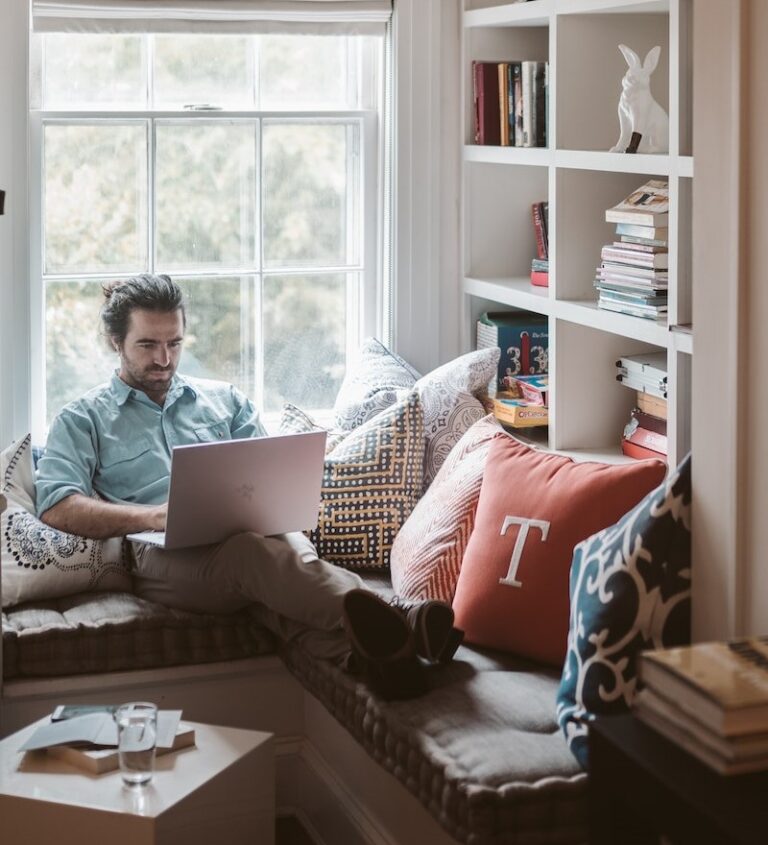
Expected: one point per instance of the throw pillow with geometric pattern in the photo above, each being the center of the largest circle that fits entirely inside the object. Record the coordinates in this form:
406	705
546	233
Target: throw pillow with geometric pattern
39	562
371	483
630	589
427	553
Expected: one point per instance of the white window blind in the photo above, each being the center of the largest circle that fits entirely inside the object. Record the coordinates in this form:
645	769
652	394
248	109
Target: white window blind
355	17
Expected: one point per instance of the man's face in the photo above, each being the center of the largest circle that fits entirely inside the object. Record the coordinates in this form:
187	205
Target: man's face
150	353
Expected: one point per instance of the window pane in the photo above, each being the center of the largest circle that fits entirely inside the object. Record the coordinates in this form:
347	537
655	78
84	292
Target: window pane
95	205
77	356
88	71
311	194
206	188
203	70
216	343
308	72
303	338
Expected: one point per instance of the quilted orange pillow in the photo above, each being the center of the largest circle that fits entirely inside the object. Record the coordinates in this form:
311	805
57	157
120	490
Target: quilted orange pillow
428	550
534	507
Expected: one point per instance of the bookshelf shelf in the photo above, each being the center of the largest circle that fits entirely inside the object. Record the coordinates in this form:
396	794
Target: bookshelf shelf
657	165
532	157
579	179
517	293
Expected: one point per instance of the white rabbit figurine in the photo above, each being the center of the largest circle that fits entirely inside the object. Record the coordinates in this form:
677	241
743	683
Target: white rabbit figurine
638	111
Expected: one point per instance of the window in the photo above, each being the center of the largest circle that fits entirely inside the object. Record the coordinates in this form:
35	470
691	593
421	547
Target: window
245	166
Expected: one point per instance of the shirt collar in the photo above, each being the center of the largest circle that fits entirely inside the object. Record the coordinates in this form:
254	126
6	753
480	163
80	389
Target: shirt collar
123	392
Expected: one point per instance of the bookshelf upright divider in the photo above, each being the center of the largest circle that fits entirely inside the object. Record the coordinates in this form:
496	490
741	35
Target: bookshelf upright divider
579	179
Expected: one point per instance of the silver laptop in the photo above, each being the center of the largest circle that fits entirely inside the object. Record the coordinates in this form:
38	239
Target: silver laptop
270	485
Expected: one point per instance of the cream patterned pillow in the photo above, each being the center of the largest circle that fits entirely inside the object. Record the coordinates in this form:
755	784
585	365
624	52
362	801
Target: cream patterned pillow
371	483
295	421
427	553
452	398
39	562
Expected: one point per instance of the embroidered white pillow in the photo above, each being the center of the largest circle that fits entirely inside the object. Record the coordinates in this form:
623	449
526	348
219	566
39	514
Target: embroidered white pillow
39	562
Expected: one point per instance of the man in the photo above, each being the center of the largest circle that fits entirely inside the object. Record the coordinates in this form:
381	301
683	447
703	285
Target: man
106	471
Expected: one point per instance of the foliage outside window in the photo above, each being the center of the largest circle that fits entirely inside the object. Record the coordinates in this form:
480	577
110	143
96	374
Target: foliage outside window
244	166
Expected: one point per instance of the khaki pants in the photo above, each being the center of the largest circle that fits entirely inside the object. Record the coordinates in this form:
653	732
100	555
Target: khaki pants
296	595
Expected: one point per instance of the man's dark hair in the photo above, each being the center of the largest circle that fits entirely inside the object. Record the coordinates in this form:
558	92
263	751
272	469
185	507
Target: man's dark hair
151	293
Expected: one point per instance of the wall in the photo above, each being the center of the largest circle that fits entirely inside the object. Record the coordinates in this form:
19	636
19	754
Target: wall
730	391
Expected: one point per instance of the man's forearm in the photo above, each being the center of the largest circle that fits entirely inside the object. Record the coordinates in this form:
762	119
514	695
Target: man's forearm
78	514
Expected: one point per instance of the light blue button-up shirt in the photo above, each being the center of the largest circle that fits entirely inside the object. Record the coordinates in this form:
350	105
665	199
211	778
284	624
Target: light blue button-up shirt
116	442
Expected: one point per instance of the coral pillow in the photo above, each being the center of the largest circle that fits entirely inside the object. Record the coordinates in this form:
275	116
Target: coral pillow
427	553
534	507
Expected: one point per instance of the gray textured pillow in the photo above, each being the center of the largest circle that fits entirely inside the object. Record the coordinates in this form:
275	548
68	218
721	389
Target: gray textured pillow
39	562
376	380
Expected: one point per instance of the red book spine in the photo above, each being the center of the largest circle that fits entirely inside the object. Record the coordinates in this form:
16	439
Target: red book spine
649	439
487	88
538	228
540	278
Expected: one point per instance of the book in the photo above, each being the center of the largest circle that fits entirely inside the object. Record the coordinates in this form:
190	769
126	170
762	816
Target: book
635	433
612	268
652	404
541	91
722	684
646	312
503	71
485	77
631	239
538	212
517	80
646	206
632	296
634	258
534	128
99	760
523	339
517	413
640	453
688	741
512	68
732	748
643	232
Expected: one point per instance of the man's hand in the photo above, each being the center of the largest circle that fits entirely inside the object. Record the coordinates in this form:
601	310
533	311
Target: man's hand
78	514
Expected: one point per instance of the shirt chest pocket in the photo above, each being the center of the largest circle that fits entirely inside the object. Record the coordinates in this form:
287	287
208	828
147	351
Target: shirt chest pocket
213	432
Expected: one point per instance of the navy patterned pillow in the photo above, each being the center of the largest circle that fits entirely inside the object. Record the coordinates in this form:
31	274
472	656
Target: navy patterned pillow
630	590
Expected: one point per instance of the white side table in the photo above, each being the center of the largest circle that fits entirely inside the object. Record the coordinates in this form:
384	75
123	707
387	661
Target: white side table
220	791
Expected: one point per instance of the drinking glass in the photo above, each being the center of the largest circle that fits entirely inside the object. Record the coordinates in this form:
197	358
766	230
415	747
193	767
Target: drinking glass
136	739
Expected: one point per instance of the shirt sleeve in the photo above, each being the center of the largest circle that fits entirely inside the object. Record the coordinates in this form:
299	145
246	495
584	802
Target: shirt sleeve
245	420
69	462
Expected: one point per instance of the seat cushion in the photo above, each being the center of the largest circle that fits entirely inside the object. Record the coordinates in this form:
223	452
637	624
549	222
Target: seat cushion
481	749
110	632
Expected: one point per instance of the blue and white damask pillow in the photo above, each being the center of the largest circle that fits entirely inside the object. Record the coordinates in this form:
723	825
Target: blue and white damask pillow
39	562
630	590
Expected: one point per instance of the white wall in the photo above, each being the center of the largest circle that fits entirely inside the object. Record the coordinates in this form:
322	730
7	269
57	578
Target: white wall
427	167
14	289
730	256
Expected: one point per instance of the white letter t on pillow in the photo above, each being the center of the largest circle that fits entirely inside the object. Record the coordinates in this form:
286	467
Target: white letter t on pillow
517	552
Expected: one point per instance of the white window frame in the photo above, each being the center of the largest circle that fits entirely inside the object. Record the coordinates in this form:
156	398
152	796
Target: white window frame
365	313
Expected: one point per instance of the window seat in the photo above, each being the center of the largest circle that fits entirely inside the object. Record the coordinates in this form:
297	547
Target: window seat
480	751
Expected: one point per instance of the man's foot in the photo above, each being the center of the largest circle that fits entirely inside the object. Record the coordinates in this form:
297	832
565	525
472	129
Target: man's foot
383	646
432	624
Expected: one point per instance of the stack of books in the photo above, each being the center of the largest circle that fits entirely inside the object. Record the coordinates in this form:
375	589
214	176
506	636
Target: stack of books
510	100
523	402
540	264
645	435
633	275
712	700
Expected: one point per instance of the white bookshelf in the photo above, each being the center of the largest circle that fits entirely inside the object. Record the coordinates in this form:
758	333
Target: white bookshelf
580	179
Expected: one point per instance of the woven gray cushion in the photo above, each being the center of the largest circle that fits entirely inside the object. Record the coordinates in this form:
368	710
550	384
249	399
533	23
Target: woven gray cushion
481	750
110	632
